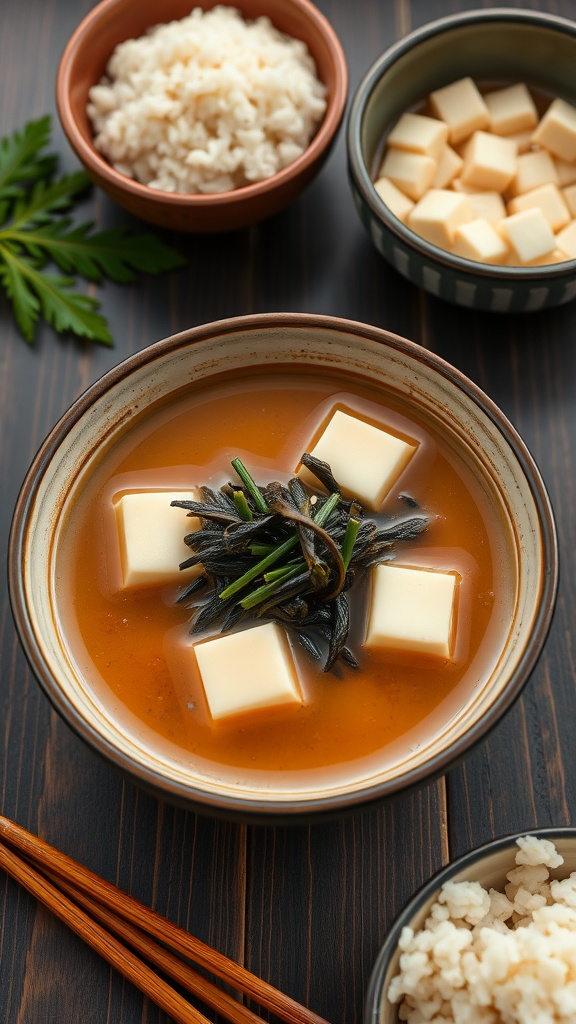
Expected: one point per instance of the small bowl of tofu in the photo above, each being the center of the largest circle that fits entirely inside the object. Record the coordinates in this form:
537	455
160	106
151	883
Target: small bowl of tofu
282	566
462	158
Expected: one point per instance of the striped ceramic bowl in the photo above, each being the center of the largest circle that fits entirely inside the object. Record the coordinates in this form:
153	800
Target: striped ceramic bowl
500	46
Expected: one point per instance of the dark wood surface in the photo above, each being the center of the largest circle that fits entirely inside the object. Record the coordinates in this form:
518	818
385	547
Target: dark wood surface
305	907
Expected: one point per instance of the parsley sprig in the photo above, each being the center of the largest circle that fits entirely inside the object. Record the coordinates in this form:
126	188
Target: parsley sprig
35	232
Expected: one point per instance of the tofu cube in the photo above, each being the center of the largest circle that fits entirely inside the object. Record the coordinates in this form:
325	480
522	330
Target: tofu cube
569	194
448	165
365	460
547	198
412	173
529	235
479	240
566	172
489	162
533	170
566	240
557	256
412	609
557	130
248	671
151	537
487	205
437	215
419	134
458	186
511	109
399	204
461	106
523	141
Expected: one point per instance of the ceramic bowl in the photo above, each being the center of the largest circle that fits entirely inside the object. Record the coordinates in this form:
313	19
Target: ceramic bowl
488	865
477	431
83	64
496	45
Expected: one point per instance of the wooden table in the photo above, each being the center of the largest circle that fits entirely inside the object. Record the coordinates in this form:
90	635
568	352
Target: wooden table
306	907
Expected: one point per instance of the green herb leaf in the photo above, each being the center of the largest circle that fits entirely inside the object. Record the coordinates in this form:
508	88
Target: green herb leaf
33	234
20	159
33	292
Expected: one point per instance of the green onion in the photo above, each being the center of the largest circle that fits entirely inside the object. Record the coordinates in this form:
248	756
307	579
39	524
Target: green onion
249	484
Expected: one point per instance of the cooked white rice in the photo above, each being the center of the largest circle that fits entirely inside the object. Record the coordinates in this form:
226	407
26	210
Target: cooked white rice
207	104
495	957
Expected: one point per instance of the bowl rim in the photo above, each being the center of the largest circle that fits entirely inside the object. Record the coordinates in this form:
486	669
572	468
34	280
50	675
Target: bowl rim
375	994
360	176
98	165
302	807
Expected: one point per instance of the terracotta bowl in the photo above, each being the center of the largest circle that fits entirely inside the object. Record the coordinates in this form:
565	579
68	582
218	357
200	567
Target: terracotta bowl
488	865
496	45
100	419
83	64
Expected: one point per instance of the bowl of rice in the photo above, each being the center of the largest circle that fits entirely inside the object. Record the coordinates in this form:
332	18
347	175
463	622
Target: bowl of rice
490	938
202	117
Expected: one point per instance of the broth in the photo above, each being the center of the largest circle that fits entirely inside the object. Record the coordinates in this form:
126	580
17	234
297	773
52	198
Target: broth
353	721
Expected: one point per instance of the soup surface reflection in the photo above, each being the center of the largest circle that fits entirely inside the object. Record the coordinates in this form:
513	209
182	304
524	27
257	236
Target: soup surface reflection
353	721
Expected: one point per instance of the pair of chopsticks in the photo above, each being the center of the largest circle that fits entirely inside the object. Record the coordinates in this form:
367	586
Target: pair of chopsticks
135	939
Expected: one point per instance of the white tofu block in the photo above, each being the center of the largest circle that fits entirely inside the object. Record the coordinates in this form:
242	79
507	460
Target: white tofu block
523	141
566	240
533	170
248	671
557	130
458	186
365	460
487	205
566	172
547	198
557	256
462	107
570	198
412	609
529	235
511	109
489	163
395	200
437	215
479	240
151	537
412	173
419	134
448	165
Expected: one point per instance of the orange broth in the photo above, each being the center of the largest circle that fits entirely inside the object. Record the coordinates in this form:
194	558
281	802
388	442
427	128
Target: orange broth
125	644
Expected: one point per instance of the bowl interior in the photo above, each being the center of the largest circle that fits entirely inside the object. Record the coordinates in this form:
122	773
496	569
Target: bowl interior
115	21
491	47
105	412
487	865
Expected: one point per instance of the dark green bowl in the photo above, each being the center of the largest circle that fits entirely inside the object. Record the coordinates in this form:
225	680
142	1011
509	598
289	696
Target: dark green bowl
498	45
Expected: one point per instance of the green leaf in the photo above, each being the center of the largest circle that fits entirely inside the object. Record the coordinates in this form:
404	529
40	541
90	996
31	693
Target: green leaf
112	253
45	199
33	291
34	233
20	159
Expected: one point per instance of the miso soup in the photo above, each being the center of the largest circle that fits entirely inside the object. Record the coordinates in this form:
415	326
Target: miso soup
353	721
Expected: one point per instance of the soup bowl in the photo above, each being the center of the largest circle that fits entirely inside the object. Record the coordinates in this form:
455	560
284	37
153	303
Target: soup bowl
488	865
99	426
498	45
83	64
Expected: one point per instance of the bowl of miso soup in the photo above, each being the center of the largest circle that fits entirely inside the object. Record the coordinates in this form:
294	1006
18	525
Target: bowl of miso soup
282	566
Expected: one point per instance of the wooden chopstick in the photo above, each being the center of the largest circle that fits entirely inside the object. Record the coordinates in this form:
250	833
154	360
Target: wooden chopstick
99	939
137	915
162	958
